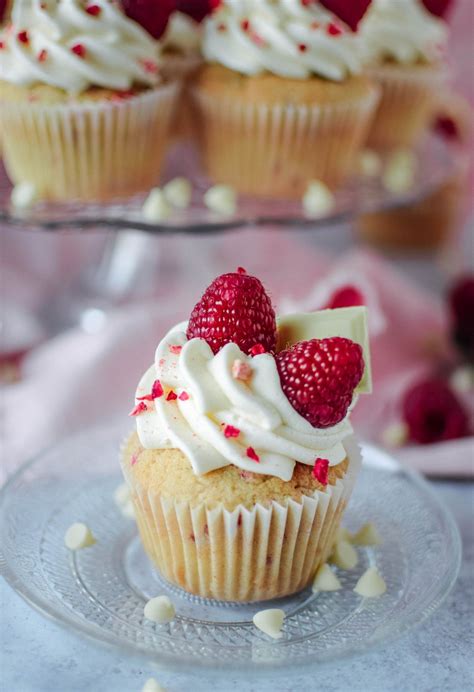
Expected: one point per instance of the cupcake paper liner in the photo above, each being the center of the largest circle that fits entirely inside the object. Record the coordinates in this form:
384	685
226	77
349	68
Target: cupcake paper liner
246	554
182	67
89	150
407	104
275	150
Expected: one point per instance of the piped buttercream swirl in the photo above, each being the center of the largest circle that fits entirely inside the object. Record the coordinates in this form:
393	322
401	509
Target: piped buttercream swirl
74	45
214	398
287	38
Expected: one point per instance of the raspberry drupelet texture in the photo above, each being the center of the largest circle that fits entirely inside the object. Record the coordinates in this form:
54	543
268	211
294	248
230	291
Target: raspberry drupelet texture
319	378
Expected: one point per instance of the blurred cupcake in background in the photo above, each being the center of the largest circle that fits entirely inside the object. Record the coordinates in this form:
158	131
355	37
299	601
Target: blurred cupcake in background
84	110
404	46
281	99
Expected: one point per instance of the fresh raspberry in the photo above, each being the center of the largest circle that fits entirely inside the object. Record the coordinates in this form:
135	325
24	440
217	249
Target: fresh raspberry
350	12
438	7
433	413
461	299
196	9
319	378
152	15
234	308
346	297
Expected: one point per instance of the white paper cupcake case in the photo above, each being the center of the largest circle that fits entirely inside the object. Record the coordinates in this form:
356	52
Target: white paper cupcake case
88	149
275	150
243	555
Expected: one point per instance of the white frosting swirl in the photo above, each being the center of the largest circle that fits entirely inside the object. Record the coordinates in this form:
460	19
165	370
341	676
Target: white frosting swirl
286	38
182	34
403	31
117	52
258	408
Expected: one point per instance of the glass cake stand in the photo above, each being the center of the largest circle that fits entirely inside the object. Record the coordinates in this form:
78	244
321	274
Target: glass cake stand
101	591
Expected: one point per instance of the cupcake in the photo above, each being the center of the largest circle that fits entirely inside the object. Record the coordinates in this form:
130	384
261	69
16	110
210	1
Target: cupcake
243	459
403	47
281	99
84	112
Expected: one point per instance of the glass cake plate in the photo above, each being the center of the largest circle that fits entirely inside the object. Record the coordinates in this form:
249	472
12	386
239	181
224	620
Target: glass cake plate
101	591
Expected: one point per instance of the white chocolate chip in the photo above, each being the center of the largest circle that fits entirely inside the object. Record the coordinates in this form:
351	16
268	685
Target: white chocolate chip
178	192
326	580
23	195
78	536
367	535
342	534
462	379
221	199
318	200
370	163
128	510
270	621
399	174
395	435
344	555
122	494
370	584
159	609
156	207
152	685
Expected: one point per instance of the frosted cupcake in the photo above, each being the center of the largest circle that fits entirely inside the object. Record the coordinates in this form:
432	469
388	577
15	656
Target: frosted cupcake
243	460
281	100
84	112
403	46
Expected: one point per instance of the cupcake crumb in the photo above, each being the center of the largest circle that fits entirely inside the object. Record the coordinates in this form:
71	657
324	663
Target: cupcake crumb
178	192
78	536
270	621
318	200
221	199
370	584
159	609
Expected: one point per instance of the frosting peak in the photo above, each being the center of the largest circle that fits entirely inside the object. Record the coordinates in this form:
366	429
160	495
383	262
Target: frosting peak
288	38
76	44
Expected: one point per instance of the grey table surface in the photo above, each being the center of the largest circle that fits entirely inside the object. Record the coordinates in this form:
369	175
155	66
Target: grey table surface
39	656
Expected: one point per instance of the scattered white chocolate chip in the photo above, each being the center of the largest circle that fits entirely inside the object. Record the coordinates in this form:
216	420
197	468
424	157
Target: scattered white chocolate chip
399	174
178	192
221	199
326	580
23	195
395	435
152	685
123	501
344	555
78	536
370	163
159	609
128	510
270	621
342	534
318	200
462	379
370	584
367	535
156	207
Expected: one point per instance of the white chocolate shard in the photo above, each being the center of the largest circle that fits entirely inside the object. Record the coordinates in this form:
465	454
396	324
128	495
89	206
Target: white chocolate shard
318	200
370	584
152	685
395	435
178	192
326	580
344	555
156	207
78	536
221	199
367	535
399	174
270	621
370	163
159	609
23	195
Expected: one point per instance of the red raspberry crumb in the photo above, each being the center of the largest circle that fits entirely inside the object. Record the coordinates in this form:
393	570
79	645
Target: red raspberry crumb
184	396
42	55
2	45
333	30
149	66
147	397
230	431
79	50
346	297
241	370
245	24
156	390
152	15
302	47
175	349
171	396
319	378
433	413
93	10
23	37
133	459
252	454
321	470
349	12
221	27
139	408
234	308
257	349
461	300
315	25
